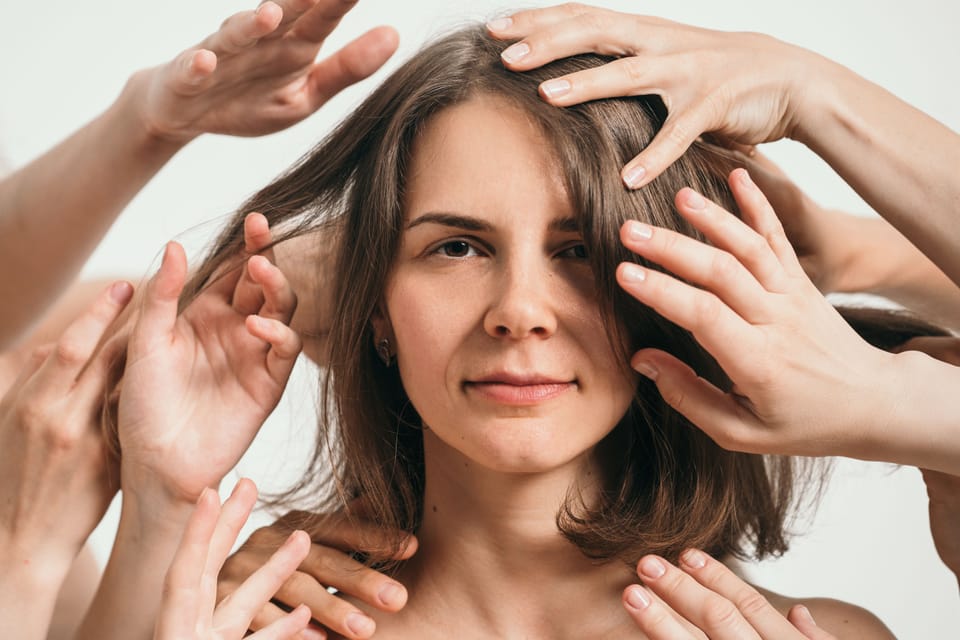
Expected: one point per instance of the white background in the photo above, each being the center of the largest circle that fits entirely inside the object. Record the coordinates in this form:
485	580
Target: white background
62	62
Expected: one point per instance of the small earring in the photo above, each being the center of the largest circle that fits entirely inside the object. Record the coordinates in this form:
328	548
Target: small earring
383	350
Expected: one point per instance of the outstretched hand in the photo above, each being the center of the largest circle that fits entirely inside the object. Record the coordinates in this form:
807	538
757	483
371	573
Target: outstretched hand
198	385
738	86
803	381
257	74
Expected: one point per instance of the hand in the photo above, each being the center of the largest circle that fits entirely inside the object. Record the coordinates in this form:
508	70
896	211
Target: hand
328	564
743	87
707	600
803	381
190	610
257	74
55	470
198	386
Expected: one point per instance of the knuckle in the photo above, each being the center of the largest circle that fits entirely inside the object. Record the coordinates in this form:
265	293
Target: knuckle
723	268
719	613
70	352
574	9
706	308
751	603
633	70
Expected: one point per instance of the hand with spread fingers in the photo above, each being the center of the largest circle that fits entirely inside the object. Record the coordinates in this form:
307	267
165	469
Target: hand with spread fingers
56	480
328	564
702	598
197	386
803	382
191	609
258	73
746	89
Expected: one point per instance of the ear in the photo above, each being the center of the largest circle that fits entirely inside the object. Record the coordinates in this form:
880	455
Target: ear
382	327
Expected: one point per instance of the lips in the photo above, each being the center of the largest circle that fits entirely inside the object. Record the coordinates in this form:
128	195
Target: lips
517	389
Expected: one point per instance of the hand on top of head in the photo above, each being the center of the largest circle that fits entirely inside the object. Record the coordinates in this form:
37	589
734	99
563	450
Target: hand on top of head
741	90
257	74
204	380
56	478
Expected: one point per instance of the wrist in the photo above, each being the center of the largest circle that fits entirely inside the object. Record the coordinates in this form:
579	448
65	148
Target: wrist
34	573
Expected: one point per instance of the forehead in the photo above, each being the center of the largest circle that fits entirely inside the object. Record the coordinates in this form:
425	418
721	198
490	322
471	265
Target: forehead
483	153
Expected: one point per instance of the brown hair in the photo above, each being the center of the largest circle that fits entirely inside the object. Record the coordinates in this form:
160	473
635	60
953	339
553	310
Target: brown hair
669	486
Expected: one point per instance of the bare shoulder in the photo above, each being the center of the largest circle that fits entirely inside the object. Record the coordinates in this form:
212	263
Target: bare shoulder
844	620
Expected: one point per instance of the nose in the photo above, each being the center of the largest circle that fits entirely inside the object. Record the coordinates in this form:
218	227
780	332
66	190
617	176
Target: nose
522	306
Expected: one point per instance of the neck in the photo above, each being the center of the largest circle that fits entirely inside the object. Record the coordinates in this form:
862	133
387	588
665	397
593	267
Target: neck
492	557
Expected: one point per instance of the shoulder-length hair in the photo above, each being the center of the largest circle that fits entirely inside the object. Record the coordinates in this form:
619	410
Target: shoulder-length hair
668	486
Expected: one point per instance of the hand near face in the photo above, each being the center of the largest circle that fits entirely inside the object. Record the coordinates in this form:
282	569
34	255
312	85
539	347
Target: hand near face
198	385
736	85
704	599
327	564
257	74
54	469
803	381
190	610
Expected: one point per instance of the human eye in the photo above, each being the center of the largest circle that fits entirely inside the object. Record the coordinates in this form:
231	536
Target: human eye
576	251
457	248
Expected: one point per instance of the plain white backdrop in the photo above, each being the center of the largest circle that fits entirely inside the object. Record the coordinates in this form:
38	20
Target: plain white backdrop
63	62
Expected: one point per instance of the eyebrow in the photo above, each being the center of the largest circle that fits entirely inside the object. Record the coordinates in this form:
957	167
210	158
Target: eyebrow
469	223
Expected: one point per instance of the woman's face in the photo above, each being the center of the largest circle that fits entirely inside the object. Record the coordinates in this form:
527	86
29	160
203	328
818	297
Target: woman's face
491	304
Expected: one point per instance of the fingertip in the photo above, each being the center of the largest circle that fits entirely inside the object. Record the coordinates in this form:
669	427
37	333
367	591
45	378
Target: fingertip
636	597
634	175
121	292
202	64
500	26
693	559
646	368
268	16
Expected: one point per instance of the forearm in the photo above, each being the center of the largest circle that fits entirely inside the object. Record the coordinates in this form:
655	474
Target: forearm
882	262
55	210
128	600
28	594
905	164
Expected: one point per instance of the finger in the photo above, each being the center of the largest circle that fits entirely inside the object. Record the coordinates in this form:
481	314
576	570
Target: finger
593	31
284	627
337	569
630	76
181	594
799	616
759	214
716	578
523	23
248	294
243	30
352	534
710	612
30	367
285	345
681	128
354	62
240	607
76	346
715	326
720	415
161	295
270	614
705	266
945	348
318	22
233	515
291	11
332	612
652	616
280	302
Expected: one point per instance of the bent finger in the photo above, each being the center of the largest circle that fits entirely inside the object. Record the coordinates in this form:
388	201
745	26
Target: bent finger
285	345
523	23
76	346
244	29
654	618
681	129
799	616
320	20
271	614
248	294
287	626
280	301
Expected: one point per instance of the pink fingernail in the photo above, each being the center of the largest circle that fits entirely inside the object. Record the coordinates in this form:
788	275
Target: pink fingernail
694	200
652	568
515	52
312	634
555	88
360	625
646	369
637	597
694	559
392	594
634	273
639	231
500	24
634	176
120	292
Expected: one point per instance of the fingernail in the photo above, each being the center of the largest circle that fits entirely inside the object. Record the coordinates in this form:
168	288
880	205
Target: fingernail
745	179
634	273
694	559
694	200
515	52
652	568
120	292
637	597
646	369
392	594
555	88
639	231
202	494
805	614
500	24
360	624
634	176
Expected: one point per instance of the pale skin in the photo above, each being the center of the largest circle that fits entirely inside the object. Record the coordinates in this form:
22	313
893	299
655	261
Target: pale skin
258	74
892	154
